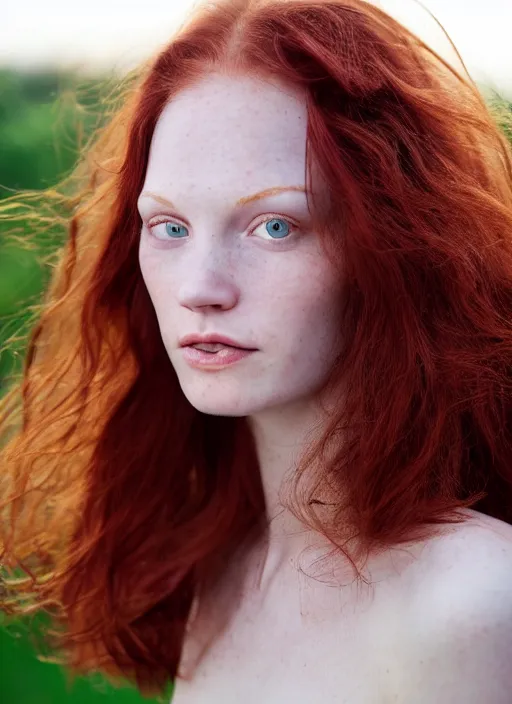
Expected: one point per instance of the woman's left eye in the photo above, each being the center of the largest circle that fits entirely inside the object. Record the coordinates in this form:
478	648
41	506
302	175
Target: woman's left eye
274	229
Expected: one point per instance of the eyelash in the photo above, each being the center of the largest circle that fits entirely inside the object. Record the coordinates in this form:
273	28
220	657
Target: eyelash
267	218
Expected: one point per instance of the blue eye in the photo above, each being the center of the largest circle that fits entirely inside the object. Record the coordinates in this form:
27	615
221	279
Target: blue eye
277	228
172	229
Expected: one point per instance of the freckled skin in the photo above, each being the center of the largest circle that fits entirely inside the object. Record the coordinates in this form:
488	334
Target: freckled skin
215	143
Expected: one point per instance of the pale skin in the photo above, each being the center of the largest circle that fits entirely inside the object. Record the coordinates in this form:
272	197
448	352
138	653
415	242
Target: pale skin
436	624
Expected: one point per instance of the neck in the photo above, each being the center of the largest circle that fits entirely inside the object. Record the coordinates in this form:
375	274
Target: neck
281	437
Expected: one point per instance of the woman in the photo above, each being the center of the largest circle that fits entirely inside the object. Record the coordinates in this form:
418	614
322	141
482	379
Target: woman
264	446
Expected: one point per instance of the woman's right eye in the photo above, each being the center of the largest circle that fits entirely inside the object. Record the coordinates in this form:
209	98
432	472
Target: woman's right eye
168	229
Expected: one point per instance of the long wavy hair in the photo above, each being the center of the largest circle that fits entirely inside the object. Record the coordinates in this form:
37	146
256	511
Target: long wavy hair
121	502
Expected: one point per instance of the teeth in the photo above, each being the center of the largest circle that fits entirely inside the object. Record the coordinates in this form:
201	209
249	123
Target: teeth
210	347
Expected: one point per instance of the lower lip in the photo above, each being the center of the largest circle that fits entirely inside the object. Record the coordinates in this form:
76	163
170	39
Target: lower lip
218	360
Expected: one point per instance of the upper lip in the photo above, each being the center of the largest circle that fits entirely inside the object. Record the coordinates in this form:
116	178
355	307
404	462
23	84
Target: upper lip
211	339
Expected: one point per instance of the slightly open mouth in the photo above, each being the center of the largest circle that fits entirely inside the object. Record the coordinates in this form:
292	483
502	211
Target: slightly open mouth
214	347
214	355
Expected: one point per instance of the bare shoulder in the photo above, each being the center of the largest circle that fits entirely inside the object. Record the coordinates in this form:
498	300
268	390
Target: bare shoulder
464	576
470	557
458	634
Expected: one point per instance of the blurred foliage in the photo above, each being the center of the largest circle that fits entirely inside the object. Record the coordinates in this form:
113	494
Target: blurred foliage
45	118
26	679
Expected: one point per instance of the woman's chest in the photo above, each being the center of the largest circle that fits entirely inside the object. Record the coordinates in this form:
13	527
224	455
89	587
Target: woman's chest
285	671
313	648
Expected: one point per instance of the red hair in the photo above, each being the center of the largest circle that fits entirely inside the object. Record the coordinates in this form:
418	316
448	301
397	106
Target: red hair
123	501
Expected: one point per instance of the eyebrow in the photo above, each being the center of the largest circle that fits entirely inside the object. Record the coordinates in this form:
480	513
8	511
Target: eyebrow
241	201
269	192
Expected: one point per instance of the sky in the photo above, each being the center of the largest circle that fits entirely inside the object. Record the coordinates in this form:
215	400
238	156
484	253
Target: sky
117	34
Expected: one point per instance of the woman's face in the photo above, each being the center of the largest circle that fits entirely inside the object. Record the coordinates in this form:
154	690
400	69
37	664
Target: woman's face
226	253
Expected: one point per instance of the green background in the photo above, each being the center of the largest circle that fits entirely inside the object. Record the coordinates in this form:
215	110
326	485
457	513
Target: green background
41	125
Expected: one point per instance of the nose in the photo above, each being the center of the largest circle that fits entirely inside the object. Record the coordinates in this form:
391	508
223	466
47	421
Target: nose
207	284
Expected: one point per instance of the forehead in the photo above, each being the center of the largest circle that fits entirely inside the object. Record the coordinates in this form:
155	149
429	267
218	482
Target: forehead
233	132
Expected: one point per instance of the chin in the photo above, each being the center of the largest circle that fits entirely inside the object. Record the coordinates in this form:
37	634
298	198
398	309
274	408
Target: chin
218	407
212	410
225	399
214	400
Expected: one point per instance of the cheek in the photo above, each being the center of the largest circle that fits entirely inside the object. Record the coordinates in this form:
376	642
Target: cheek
146	264
312	298
322	322
155	278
